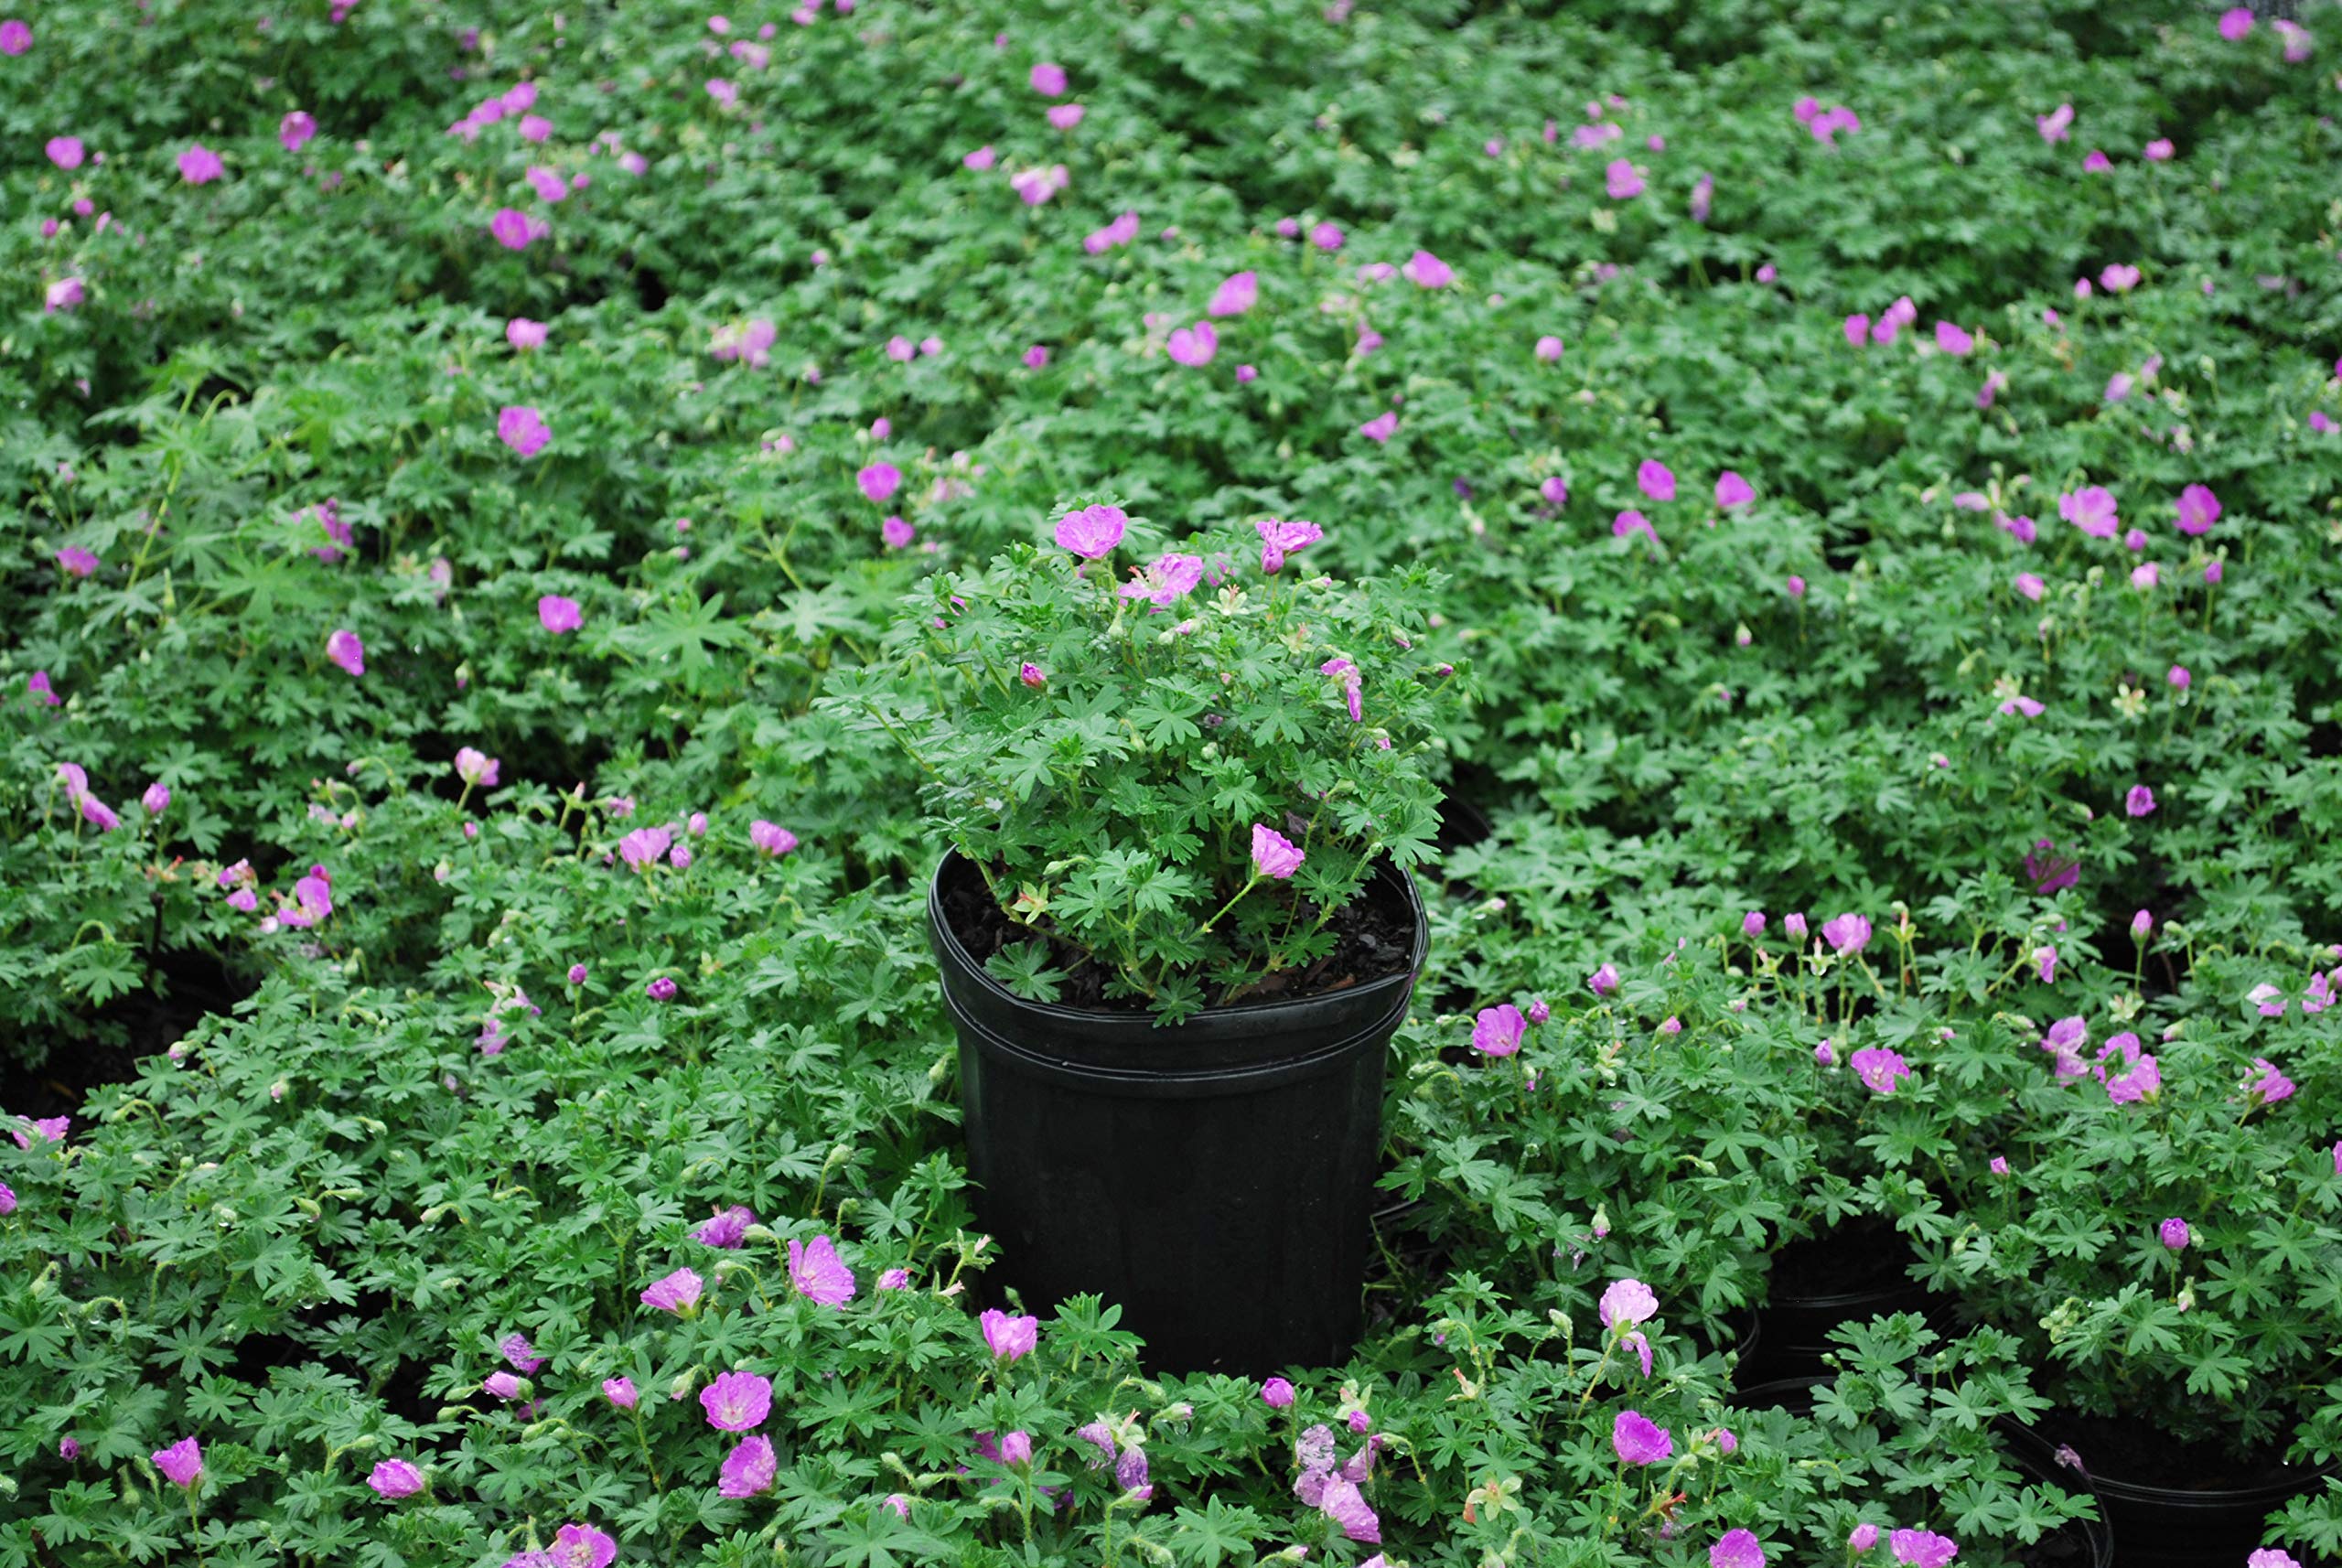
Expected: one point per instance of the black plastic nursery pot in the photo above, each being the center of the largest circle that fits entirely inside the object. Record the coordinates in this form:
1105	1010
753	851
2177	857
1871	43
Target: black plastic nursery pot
1213	1177
2083	1543
1797	1317
2171	1526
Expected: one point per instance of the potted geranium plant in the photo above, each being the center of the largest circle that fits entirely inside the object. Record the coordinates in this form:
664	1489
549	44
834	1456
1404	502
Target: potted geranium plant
1182	790
2148	1197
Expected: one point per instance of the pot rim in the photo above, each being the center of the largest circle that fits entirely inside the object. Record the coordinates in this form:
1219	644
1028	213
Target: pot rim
1402	980
2263	1495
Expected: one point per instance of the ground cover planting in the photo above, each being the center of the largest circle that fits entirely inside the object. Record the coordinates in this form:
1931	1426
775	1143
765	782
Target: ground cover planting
1813	535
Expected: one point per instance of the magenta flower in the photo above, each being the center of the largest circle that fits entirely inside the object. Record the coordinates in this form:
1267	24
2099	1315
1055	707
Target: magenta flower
558	613
1604	980
1954	341
1621	180
980	160
1048	78
749	1470
1382	427
727	1229
2235	23
2000	1165
1344	1504
344	649
182	1462
1638	1441
516	1349
1326	236
200	165
294	131
476	767
2137	1079
678	1292
65	151
1274	855
1626	1303
894	1278
1847	935
521	427
1427	271
1276	1393
511	227
897	534
15	38
771	837
1009	1337
579	1546
2120	277
1857	328
156	799
2030	585
1752	924
663	989
644	846
879	480
2064	1043
2199	509
1555	490
2091	509
1498	1030
2050	872
818	1272
621	1392
2158	151
2140	801
1548	348
736	1401
1656	480
1236	295
8	1207
1279	537
65	293
395	1479
1922	1548
2270	1556
1092	533
1731	491
76	561
1737	1549
1881	1070
2054	125
1194	346
2272	1086
1627	525
2174	1234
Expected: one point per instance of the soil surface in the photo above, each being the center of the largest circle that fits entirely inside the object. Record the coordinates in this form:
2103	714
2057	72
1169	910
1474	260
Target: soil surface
2067	1547
1862	1255
126	1031
1373	937
2144	1455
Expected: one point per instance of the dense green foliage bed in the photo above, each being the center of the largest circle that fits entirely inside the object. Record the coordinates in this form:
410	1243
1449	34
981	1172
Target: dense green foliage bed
444	447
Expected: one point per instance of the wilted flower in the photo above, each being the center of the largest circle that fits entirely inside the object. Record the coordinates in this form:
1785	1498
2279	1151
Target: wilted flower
1273	854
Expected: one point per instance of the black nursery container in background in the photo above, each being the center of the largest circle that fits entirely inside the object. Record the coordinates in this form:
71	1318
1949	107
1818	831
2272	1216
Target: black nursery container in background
1213	1177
